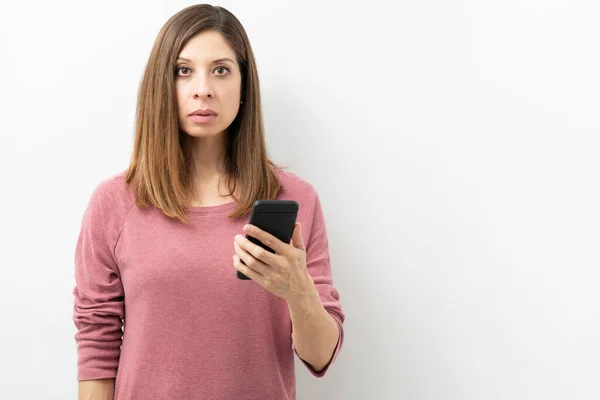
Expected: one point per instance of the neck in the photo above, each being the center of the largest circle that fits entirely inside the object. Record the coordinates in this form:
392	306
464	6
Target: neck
209	155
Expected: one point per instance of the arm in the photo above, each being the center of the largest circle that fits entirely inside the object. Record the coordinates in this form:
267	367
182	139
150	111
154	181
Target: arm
97	389
317	321
314	332
98	309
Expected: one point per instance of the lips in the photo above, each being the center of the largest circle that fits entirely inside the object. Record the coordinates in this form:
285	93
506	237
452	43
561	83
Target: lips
204	112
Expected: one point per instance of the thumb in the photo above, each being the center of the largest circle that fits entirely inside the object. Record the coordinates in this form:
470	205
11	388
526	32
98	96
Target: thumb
297	240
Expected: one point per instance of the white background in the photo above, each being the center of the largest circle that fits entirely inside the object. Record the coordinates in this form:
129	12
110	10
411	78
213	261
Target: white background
454	145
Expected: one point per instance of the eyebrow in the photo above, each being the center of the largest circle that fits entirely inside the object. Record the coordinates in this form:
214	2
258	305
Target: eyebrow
214	62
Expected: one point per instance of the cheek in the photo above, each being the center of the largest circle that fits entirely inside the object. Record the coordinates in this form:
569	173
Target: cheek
229	103
180	94
230	94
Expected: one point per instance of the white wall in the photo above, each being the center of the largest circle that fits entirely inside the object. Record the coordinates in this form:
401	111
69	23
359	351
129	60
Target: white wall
452	144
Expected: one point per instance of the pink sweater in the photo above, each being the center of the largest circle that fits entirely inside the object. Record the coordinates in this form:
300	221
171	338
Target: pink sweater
158	306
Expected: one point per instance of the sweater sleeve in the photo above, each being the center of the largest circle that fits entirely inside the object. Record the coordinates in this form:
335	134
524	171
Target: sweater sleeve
98	310
318	266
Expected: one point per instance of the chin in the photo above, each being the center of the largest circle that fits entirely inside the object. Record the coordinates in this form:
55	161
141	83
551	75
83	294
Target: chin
203	131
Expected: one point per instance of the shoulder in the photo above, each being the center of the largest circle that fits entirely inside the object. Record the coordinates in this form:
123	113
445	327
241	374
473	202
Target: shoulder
310	212
111	200
113	190
295	185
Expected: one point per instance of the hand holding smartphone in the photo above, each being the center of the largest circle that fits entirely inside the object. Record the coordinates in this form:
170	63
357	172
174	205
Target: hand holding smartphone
277	217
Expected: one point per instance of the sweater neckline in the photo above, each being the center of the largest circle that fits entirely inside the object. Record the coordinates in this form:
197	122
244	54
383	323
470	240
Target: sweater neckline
216	209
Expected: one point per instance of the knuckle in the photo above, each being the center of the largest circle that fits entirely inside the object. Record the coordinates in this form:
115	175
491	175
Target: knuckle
260	253
275	281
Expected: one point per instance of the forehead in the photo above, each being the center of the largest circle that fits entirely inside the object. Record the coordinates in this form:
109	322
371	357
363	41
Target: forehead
207	47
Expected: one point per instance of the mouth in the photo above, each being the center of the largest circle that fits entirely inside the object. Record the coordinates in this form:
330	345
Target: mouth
203	113
203	119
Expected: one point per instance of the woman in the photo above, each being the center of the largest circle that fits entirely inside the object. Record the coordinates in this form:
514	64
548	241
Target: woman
158	308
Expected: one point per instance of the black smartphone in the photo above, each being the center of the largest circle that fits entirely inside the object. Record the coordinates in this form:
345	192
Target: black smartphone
278	217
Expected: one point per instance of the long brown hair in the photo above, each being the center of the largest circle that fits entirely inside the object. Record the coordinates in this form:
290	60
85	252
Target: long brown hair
161	162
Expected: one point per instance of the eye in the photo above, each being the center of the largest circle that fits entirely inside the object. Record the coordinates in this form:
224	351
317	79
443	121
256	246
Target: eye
225	68
180	68
216	68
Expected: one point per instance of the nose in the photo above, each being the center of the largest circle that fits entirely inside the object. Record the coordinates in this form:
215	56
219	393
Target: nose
203	87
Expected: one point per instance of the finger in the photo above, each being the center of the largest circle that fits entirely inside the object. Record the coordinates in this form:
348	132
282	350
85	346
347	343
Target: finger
244	269
257	251
250	260
266	238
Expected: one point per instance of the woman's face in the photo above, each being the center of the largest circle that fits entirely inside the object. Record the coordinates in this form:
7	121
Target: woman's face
204	80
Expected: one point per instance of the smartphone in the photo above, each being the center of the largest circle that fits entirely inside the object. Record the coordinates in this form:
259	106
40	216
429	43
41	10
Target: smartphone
277	217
